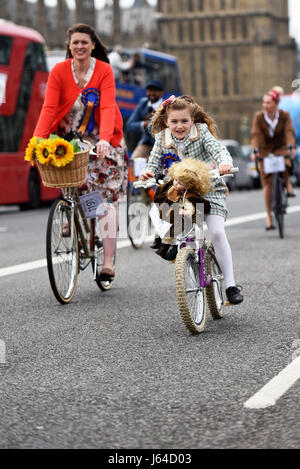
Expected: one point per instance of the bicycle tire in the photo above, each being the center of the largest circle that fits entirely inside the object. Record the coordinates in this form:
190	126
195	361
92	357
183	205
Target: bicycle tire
279	207
190	297
62	252
104	285
137	216
214	291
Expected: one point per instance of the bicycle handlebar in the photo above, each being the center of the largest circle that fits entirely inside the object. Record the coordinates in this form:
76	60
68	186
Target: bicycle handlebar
152	181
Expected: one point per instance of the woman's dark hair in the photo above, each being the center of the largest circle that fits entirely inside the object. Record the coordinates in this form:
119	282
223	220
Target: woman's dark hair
100	51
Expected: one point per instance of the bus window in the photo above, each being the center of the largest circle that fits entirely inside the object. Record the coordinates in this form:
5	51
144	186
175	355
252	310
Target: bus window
5	48
11	127
151	65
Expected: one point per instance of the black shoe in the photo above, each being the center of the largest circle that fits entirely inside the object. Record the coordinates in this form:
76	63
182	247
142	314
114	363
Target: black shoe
167	252
156	243
162	249
234	295
291	194
171	253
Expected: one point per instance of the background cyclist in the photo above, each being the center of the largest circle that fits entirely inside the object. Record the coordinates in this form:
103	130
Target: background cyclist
272	132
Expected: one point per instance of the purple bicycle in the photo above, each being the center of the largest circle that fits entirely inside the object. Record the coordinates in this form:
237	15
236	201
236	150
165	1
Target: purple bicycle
198	277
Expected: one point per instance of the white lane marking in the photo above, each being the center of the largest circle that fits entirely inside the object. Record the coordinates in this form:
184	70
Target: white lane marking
16	269
256	216
274	389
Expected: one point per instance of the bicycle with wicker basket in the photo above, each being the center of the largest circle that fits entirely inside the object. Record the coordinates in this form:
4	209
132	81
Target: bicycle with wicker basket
72	241
198	276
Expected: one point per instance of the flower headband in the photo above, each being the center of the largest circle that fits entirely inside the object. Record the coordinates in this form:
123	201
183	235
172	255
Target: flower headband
274	95
168	101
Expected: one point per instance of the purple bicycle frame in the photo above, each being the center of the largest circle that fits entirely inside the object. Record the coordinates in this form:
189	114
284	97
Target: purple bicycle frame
204	282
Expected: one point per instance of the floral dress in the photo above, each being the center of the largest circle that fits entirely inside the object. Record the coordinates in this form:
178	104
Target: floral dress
109	175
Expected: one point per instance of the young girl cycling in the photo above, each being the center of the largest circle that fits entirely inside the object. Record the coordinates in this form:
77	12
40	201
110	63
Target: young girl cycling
183	130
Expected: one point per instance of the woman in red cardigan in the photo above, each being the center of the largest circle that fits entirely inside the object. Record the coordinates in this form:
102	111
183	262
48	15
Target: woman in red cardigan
80	96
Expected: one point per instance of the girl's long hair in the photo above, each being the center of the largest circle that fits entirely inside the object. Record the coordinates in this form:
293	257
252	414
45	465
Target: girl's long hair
158	122
99	52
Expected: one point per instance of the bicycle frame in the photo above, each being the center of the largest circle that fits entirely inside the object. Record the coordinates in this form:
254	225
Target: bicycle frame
198	239
85	229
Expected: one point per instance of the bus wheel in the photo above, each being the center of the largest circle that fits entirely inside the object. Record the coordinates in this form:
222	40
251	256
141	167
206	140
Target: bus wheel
34	192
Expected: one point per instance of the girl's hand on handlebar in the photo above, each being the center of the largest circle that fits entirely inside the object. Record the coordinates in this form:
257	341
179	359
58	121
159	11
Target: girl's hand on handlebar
224	169
146	175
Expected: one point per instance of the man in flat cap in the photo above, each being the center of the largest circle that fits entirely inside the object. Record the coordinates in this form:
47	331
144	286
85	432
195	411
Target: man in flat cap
141	117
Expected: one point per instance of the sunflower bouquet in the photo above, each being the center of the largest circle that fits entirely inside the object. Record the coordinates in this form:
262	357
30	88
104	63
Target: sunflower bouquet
53	150
60	163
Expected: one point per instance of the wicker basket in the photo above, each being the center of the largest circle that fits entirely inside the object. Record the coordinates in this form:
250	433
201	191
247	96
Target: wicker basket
72	175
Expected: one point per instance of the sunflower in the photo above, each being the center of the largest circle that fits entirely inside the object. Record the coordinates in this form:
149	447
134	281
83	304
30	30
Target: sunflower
62	151
30	154
43	152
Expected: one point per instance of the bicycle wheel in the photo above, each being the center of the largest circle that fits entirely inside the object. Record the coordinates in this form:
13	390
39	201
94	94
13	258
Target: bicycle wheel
104	285
190	296
62	252
137	215
214	291
280	205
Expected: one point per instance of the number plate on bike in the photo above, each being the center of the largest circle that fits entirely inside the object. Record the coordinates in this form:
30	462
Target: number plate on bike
93	205
274	164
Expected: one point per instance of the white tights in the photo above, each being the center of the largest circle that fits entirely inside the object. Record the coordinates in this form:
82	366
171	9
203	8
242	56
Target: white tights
217	235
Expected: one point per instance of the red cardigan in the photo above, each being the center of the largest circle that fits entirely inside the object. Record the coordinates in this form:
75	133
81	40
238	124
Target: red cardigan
62	92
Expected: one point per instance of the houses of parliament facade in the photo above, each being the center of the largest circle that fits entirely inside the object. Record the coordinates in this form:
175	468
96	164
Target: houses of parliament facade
230	53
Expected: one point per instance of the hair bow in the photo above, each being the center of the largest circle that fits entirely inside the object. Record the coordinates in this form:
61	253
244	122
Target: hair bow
274	95
168	101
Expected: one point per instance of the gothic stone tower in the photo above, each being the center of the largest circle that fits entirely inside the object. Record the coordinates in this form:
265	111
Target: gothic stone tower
230	53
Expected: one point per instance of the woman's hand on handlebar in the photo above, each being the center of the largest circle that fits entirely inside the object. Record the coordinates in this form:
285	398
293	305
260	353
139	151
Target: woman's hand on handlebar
224	169
146	175
255	154
102	149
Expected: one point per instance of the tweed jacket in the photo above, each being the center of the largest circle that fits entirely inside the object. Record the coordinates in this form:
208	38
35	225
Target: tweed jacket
201	145
284	134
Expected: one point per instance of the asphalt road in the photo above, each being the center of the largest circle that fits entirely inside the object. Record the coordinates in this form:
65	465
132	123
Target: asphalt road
119	370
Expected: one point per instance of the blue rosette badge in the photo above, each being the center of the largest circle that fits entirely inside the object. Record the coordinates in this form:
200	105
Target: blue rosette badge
91	99
168	159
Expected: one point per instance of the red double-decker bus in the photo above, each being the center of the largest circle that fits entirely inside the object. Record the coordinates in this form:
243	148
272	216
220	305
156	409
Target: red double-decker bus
23	78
